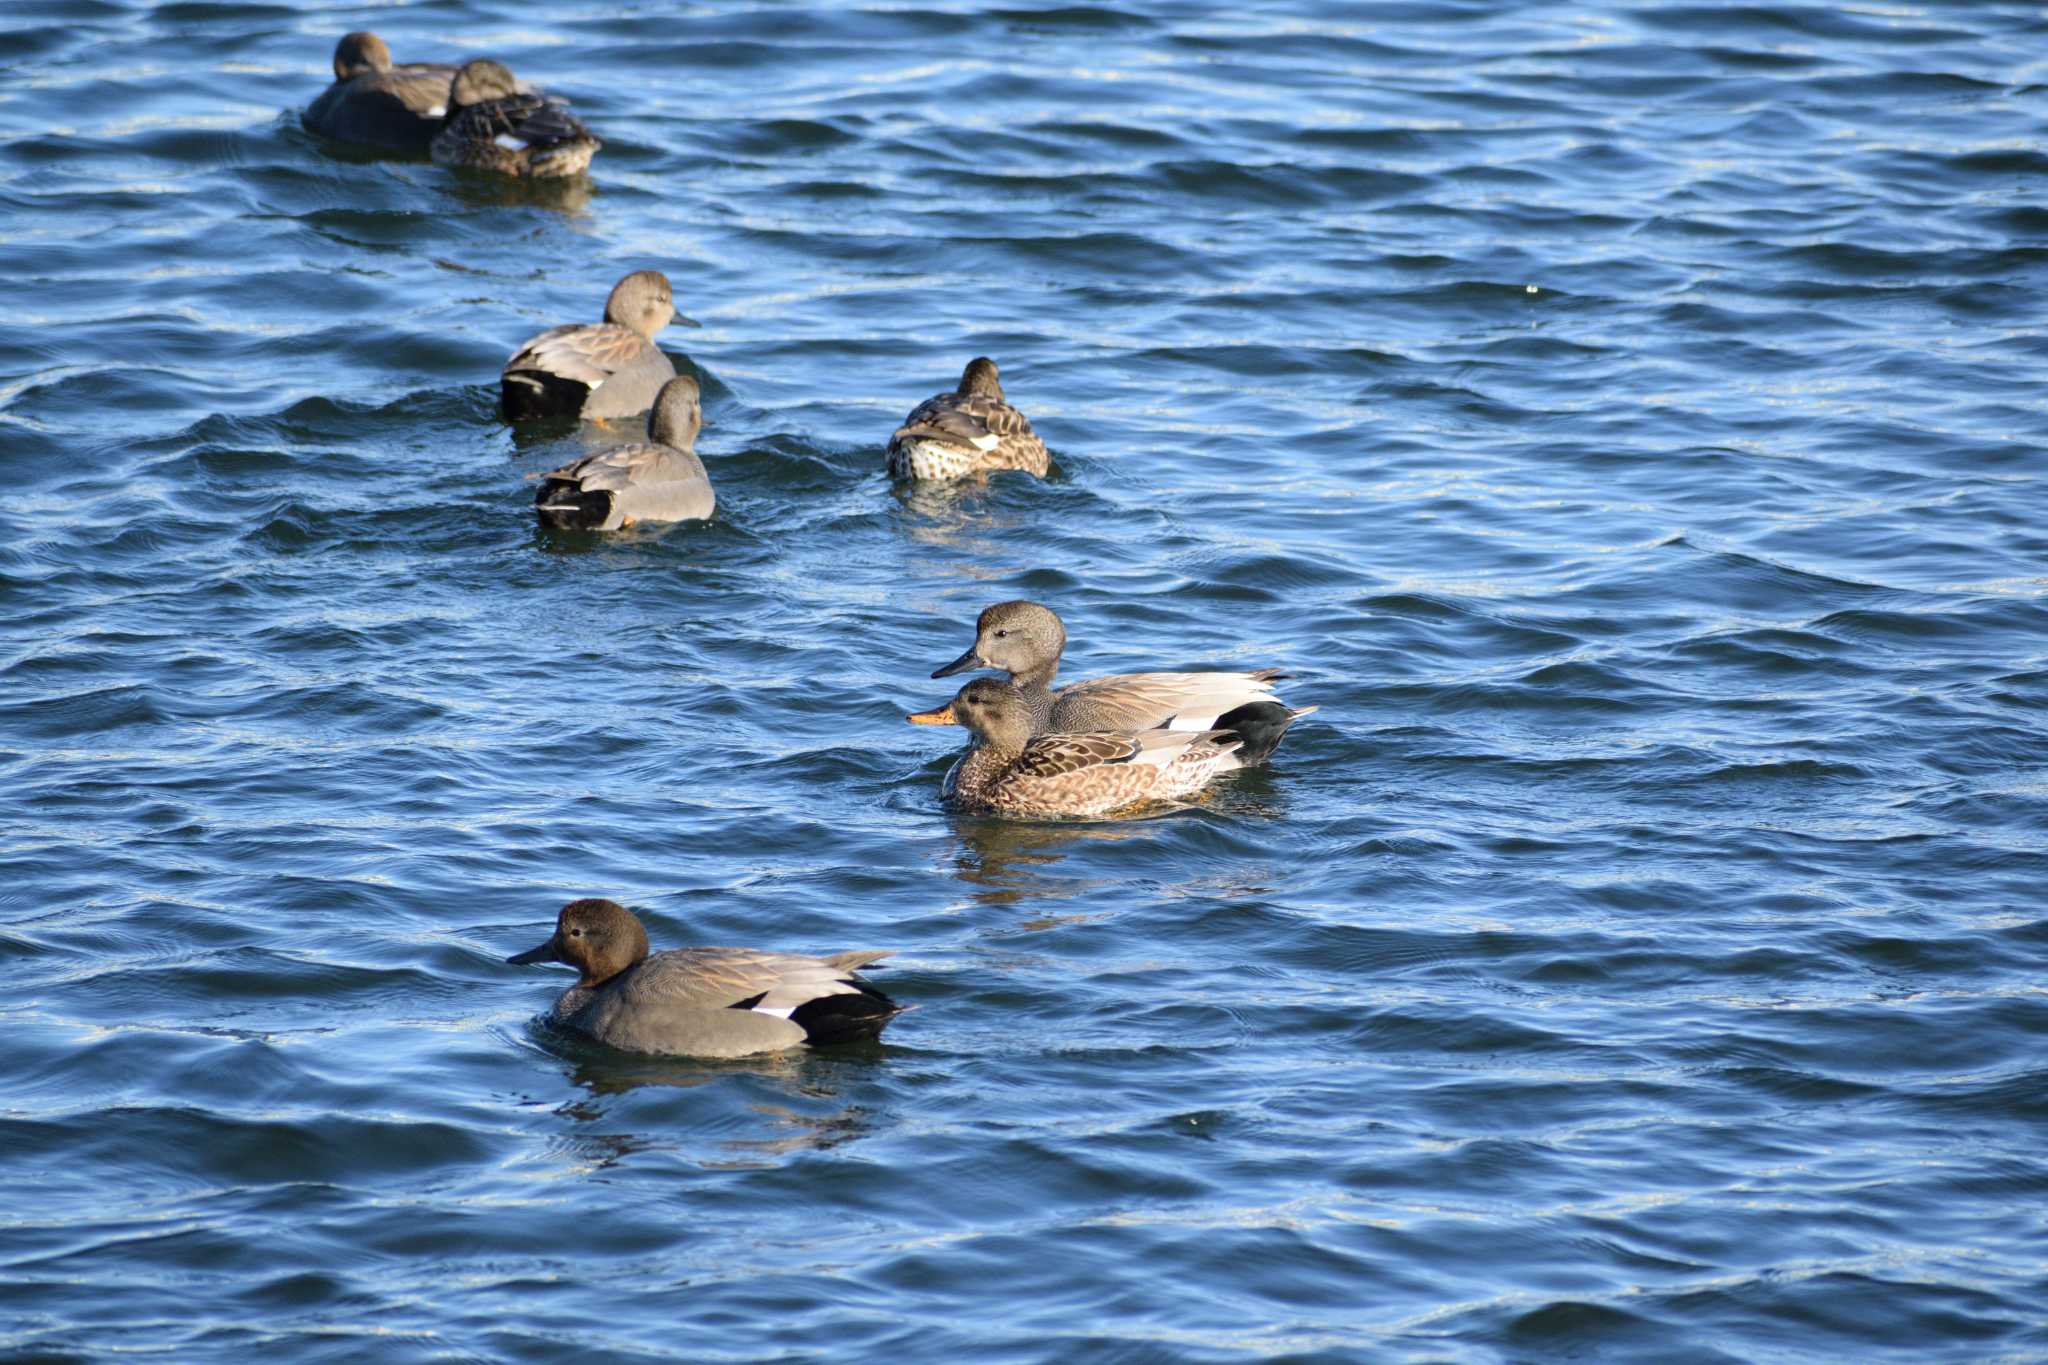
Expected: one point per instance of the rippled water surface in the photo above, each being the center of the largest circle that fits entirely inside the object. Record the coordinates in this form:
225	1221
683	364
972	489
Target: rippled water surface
1626	422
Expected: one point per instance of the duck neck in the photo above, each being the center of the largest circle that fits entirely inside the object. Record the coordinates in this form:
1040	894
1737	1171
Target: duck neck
1037	678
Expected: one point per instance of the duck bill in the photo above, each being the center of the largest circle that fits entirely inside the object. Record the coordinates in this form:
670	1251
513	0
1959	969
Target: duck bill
551	951
971	659
942	716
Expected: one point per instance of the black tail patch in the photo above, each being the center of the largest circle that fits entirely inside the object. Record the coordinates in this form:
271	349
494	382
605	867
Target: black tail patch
845	1018
566	507
1259	724
528	394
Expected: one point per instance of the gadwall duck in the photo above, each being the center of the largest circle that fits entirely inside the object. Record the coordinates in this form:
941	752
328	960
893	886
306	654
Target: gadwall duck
496	125
971	430
658	480
1008	771
702	1002
1025	640
397	108
596	370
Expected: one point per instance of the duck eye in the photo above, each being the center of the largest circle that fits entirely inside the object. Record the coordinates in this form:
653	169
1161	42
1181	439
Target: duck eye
575	933
1002	635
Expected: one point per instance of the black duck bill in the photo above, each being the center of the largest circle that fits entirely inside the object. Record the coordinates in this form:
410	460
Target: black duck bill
971	659
551	951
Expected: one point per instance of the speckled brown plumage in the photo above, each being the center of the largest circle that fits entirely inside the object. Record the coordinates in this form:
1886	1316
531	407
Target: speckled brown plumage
495	126
1006	771
972	430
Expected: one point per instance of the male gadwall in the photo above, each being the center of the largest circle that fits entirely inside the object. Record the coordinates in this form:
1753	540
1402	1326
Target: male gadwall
969	431
495	125
1006	771
703	1002
596	370
397	108
660	479
1025	640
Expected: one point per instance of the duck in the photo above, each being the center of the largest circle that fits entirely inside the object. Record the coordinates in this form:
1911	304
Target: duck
494	124
377	104
1025	641
702	1002
660	479
972	430
1009	770
596	370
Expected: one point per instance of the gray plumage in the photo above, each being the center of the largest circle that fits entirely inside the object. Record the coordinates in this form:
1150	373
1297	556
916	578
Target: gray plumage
495	124
377	104
660	479
972	430
702	1002
596	370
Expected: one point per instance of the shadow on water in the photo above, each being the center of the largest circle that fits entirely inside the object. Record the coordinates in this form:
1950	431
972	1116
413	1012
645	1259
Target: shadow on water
805	1108
568	196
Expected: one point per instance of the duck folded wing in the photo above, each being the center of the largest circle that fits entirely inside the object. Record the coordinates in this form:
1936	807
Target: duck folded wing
949	418
1052	755
585	352
536	120
1141	701
626	466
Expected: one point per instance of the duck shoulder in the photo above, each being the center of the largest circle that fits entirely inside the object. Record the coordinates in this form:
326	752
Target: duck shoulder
588	352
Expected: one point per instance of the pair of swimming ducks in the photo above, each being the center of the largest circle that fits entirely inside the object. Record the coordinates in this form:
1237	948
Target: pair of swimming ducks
1087	748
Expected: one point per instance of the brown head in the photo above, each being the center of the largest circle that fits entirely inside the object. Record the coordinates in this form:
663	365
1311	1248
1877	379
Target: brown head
980	378
643	302
678	414
598	938
995	713
481	81
1022	639
359	53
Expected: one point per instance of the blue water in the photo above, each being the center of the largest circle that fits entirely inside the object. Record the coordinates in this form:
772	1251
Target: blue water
1627	422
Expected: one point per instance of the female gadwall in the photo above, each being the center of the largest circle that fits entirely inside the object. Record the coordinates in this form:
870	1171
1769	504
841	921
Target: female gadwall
1025	640
397	108
495	125
1006	771
969	431
658	480
596	370
703	1002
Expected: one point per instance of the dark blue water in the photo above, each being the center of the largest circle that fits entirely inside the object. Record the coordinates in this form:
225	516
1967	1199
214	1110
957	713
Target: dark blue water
1627	423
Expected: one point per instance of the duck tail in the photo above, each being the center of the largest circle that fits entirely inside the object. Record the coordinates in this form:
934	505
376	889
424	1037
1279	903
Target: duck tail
1259	725
855	1016
568	507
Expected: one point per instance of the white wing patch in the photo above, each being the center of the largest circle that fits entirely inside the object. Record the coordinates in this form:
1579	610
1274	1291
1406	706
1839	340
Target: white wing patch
438	111
782	1013
509	142
987	442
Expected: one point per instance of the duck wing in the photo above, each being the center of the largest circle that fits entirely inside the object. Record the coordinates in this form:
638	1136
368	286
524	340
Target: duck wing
1142	701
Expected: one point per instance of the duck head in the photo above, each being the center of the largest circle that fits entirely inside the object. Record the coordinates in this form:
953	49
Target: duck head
599	938
993	712
979	379
1019	638
678	414
359	53
479	82
642	302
